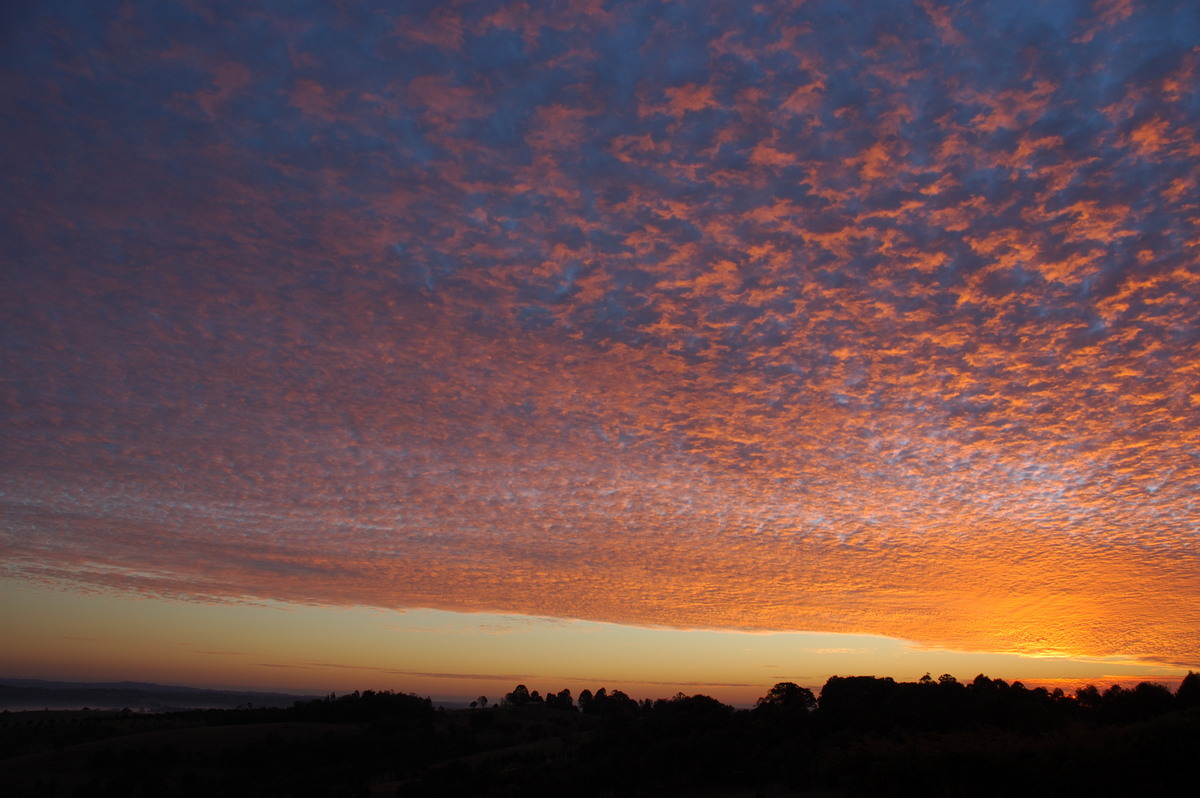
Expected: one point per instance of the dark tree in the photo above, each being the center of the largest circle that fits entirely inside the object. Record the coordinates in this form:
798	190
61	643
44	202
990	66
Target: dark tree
1188	694
861	703
1088	697
519	697
1147	700
560	700
789	698
688	714
611	704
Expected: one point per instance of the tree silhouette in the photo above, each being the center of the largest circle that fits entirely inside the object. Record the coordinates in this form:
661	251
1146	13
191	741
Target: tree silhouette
519	697
560	700
1088	697
790	698
1188	693
611	704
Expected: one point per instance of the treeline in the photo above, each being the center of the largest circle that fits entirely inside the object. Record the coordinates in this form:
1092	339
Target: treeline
868	704
368	705
860	736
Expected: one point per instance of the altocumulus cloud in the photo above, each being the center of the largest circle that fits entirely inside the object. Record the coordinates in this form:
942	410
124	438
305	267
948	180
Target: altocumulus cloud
793	316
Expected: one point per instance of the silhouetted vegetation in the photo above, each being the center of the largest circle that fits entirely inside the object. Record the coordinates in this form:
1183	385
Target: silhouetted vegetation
861	736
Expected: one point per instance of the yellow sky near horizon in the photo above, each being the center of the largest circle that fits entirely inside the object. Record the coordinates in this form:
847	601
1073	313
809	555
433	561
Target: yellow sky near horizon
103	636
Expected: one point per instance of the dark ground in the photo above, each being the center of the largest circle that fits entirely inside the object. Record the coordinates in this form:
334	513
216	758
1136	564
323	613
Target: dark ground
865	737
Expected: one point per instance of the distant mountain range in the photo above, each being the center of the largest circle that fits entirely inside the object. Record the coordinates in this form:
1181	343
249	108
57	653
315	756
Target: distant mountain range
20	694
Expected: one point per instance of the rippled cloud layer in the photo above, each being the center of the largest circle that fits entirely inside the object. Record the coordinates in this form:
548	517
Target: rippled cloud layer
801	316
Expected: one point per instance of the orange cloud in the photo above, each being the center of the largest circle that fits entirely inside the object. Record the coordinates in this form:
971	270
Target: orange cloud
740	318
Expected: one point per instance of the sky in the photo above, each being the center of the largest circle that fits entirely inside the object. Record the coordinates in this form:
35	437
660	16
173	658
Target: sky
435	346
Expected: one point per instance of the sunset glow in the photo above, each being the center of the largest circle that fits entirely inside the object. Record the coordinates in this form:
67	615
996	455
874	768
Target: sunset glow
662	344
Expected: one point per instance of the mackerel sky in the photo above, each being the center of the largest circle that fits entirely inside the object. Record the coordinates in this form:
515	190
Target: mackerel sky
869	317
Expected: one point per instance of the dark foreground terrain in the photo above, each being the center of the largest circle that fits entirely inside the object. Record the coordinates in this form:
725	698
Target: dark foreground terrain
139	696
865	736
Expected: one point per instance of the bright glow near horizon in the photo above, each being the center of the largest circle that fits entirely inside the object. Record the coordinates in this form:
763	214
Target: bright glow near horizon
782	317
63	635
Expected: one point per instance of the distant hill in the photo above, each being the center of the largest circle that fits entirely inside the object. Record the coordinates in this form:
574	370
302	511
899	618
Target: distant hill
18	694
